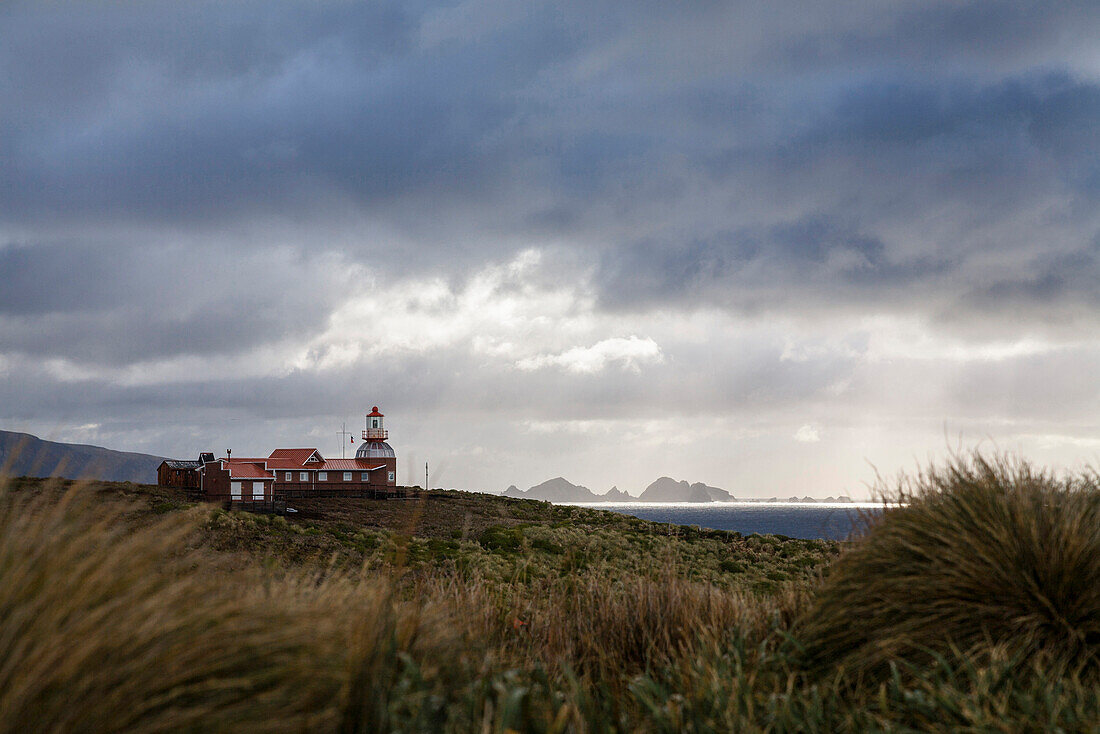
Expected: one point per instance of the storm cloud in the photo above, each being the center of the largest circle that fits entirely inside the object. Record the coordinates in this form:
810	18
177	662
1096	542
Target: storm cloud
631	239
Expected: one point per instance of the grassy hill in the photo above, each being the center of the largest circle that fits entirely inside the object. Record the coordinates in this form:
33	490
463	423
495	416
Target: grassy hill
125	608
489	536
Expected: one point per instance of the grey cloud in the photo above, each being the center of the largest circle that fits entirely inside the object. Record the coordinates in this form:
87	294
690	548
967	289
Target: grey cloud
747	380
787	265
931	160
996	36
849	201
115	305
1069	280
453	380
287	108
182	125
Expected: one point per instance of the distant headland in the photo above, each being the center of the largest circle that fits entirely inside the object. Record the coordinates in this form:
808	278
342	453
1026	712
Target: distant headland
665	489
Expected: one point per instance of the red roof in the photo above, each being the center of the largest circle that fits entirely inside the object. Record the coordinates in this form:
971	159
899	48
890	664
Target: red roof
374	413
299	456
287	464
350	465
327	465
248	470
293	460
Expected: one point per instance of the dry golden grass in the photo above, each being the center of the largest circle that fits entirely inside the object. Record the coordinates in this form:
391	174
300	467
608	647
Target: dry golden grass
104	628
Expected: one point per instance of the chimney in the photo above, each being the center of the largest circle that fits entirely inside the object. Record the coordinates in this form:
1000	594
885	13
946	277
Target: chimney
228	454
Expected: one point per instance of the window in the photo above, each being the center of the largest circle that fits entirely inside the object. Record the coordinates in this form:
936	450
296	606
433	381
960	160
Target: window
322	476
303	476
257	490
289	476
364	477
393	476
347	476
235	490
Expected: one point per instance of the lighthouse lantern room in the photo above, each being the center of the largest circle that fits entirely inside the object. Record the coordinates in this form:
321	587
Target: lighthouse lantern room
374	430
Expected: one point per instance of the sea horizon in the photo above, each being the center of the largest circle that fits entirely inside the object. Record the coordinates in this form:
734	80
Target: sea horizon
806	520
867	504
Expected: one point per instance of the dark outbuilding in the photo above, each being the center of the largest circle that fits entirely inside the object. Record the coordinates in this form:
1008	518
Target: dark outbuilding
179	473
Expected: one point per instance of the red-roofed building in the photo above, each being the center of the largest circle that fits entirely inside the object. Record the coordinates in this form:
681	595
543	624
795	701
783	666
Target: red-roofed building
246	481
289	474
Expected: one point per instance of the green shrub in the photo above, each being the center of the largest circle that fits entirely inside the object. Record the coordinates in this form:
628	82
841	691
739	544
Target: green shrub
502	538
547	545
442	548
732	566
162	507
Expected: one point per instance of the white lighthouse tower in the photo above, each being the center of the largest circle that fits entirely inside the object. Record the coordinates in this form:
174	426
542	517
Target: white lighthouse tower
378	455
374	444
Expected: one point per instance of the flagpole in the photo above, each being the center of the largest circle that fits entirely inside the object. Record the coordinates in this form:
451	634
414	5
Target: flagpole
342	433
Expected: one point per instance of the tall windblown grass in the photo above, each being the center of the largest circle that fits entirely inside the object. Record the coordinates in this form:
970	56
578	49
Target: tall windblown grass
974	607
985	554
632	625
105	628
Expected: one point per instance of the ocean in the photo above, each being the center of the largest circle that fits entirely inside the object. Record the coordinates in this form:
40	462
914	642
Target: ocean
833	521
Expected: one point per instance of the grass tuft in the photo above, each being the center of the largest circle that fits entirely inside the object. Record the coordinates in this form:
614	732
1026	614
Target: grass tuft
979	555
103	628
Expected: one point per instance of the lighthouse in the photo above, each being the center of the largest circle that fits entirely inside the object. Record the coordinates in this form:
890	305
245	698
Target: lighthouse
374	444
295	473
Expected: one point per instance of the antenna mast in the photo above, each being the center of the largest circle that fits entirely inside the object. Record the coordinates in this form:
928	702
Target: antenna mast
343	433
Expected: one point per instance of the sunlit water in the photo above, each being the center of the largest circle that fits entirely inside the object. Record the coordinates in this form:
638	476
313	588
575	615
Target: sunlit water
834	521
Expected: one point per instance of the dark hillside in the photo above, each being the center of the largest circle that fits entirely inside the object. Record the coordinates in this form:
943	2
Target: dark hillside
24	455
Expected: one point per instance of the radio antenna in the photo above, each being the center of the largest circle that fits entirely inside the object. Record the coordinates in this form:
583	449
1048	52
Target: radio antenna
343	433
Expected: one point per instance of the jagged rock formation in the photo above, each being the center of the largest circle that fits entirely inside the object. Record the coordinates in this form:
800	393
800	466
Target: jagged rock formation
558	489
664	489
667	489
617	495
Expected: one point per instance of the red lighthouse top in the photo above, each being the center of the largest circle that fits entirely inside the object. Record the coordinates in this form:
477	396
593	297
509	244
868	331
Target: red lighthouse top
375	431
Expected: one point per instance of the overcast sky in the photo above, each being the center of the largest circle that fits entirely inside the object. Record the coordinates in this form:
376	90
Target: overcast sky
765	245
